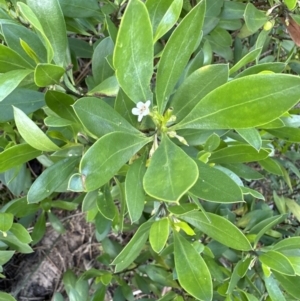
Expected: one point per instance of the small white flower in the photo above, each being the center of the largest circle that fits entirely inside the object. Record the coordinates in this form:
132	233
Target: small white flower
141	110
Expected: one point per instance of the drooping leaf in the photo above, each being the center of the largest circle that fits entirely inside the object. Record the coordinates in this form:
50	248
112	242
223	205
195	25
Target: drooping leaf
17	155
273	94
192	272
133	55
31	133
100	163
159	233
9	81
218	228
47	74
171	172
51	179
134	191
177	52
99	118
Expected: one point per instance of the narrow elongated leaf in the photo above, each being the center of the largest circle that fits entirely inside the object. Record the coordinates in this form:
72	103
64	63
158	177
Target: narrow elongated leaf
163	15
252	136
134	191
289	283
133	56
102	161
171	172
11	60
51	18
192	272
196	86
273	67
215	186
273	289
51	179
278	262
272	166
177	52
133	248
47	74
272	94
100	118
17	155
159	233
219	228
238	154
290	243
287	133
9	81
32	134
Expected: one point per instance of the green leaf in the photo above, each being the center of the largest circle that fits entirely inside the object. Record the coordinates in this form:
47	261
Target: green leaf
277	262
163	15
219	229
56	223
244	171
51	179
6	221
51	18
275	67
171	172
273	289
17	155
133	248
273	94
47	74
237	154
287	133
100	118
103	160
254	18
290	243
6	297
159	233
192	272
133	55
293	207
291	4
26	100
272	166
177	53
105	203
31	133
252	136
79	9
109	87
21	233
39	229
134	191
215	186
11	60
197	86
289	283
5	256
9	81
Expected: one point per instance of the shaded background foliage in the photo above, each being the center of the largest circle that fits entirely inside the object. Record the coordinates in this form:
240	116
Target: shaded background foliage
205	188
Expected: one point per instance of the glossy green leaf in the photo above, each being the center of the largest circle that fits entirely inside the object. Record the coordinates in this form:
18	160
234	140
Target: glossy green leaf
17	155
287	133
109	87
254	18
134	191
11	60
272	166
51	179
274	94
39	229
105	204
50	16
5	256
163	15
249	57
291	4
29	51
133	248
28	13
293	207
192	272
100	68
103	160
275	67
6	221
9	81
19	231
252	136
197	86
79	9
219	229
277	262
244	171
234	278
238	154
171	172
289	283
273	289
47	74
159	233
290	243
100	118
133	55
177	52
32	134
56	223
215	186
6	297
17	245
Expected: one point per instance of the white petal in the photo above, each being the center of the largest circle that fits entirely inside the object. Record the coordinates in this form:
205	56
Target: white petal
140	118
148	103
140	104
145	112
135	111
